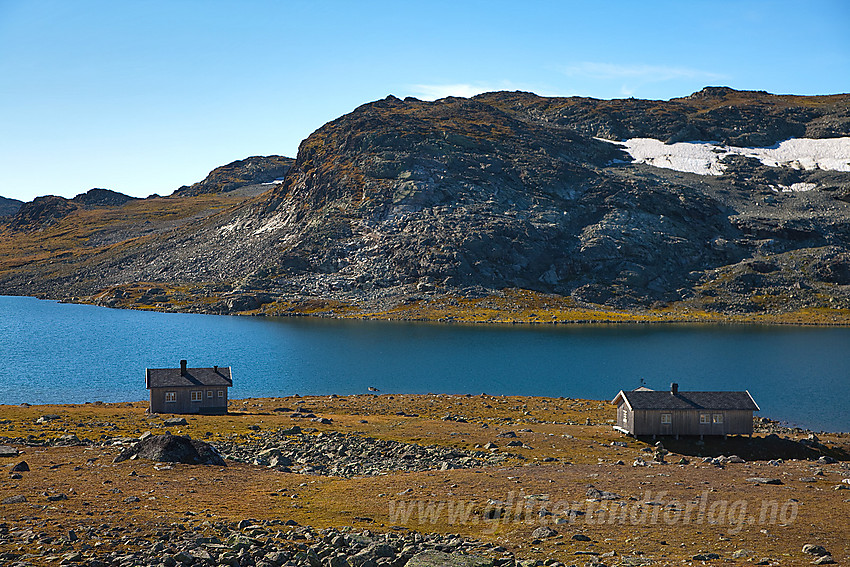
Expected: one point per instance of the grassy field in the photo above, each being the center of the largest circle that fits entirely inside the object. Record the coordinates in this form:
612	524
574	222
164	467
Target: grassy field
668	513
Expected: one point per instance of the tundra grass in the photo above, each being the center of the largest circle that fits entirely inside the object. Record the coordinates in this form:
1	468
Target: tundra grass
569	445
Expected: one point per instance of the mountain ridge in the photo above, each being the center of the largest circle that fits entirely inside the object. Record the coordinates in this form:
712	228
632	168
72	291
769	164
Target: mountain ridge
406	202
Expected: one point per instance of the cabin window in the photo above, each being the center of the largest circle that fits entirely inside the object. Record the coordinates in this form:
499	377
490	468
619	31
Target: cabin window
717	418
197	395
221	393
666	418
704	418
209	393
171	396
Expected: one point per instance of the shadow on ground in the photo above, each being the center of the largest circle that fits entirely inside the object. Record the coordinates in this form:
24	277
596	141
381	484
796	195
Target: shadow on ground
750	449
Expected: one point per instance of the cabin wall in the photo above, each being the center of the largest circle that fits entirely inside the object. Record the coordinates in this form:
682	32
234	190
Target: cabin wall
625	417
183	400
687	422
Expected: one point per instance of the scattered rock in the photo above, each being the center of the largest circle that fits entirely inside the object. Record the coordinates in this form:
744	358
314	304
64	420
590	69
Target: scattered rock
175	421
46	418
347	455
580	537
21	467
433	558
593	492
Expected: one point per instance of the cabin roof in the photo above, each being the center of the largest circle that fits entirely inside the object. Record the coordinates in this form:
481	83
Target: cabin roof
665	400
174	378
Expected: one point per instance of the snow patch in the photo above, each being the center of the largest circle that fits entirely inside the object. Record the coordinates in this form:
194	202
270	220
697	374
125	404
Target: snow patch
704	158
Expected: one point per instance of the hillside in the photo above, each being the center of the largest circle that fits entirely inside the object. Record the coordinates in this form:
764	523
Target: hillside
511	206
9	207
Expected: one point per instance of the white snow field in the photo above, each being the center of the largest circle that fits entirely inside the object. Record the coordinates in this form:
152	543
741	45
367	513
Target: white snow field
704	157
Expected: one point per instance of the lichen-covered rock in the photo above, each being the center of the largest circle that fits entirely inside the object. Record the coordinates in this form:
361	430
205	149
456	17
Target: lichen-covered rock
173	449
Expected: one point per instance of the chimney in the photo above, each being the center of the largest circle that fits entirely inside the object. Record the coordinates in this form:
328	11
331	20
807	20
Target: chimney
674	389
182	368
215	368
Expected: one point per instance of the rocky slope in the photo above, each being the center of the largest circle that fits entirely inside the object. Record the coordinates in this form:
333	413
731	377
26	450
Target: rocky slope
401	201
9	207
249	171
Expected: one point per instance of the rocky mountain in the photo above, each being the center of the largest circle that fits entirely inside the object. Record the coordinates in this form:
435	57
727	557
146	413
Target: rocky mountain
738	118
102	198
404	201
50	209
249	171
9	207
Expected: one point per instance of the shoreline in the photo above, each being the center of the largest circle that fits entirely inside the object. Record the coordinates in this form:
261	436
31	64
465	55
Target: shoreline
772	425
531	313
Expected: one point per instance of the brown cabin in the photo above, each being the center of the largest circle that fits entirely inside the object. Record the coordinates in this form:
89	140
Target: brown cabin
188	390
649	412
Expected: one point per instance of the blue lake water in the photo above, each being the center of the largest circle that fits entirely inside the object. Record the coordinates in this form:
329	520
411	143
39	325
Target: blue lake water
62	353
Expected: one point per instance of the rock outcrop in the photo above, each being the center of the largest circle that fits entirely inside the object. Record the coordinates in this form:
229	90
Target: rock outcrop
172	449
249	171
9	207
48	210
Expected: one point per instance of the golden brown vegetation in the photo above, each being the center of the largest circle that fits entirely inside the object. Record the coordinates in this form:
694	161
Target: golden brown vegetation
568	446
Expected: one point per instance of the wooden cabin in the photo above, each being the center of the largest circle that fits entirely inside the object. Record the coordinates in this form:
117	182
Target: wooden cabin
649	412
188	390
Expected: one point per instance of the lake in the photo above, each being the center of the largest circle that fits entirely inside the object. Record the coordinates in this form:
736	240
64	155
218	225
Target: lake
64	353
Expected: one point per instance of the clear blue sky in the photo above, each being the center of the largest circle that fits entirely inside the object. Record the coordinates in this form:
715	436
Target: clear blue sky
144	96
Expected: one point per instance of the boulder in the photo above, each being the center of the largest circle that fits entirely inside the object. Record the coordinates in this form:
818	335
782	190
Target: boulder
812	549
593	492
173	449
17	499
21	467
764	480
6	451
543	532
175	421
